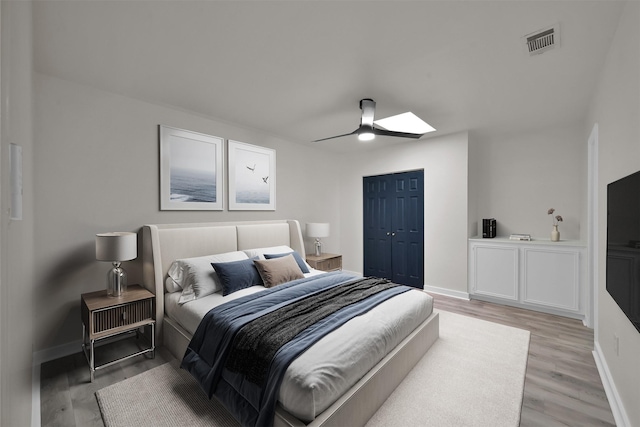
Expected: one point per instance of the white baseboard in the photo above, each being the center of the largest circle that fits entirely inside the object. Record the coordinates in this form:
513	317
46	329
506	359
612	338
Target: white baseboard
447	292
53	353
40	357
619	414
35	396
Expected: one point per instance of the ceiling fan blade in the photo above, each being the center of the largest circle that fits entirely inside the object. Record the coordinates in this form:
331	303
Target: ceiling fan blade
337	136
368	107
384	132
366	130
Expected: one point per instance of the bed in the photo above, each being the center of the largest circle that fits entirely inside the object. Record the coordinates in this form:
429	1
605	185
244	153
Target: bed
163	244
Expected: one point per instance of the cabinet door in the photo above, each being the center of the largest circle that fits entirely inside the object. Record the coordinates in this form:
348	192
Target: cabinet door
551	278
495	271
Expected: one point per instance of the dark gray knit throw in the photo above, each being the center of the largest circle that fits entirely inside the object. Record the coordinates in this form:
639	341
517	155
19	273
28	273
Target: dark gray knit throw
256	343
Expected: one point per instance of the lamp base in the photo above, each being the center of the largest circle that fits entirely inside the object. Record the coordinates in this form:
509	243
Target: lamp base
318	246
116	281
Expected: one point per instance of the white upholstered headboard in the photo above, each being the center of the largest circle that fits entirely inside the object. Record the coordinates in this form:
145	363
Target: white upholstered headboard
164	243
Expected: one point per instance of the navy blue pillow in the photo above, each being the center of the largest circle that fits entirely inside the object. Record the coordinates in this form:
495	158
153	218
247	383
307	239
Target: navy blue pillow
236	275
296	255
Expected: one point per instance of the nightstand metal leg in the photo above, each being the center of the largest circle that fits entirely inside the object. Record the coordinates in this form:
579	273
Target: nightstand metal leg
153	340
88	353
92	362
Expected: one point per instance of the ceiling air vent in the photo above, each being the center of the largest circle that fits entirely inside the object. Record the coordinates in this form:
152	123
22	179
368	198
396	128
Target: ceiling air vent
542	40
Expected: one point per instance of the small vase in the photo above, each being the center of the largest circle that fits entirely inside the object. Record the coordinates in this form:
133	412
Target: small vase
555	234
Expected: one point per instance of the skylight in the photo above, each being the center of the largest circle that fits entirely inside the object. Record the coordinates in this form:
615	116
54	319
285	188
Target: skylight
405	122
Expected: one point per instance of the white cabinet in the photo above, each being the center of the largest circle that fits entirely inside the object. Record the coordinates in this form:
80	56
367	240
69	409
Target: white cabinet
539	275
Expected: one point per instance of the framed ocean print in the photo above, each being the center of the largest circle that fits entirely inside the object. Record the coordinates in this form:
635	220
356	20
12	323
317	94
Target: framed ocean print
191	174
252	177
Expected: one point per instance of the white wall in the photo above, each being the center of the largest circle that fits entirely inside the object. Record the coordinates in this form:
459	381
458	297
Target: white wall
616	109
16	237
521	176
96	170
444	160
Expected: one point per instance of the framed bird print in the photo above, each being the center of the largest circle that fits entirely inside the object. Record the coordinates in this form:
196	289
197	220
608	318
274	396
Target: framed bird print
252	177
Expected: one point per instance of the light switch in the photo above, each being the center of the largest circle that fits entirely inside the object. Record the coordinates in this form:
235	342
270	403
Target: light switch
16	181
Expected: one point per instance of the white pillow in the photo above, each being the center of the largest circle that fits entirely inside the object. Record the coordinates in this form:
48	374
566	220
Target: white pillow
171	285
196	276
259	252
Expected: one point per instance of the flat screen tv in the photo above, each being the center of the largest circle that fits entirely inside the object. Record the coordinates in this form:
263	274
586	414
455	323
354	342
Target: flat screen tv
623	245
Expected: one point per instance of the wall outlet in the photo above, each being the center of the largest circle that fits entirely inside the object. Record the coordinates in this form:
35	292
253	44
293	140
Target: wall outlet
616	344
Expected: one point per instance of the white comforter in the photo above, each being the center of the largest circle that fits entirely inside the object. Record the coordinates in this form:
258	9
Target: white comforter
330	367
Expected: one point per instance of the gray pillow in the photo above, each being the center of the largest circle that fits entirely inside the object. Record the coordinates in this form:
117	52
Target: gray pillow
278	270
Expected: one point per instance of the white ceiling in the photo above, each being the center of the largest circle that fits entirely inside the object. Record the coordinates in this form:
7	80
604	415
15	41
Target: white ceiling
297	69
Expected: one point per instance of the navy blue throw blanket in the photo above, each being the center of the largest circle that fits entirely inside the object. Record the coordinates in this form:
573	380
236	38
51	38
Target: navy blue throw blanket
250	392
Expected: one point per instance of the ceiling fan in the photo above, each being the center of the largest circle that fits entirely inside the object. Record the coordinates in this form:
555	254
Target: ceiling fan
367	131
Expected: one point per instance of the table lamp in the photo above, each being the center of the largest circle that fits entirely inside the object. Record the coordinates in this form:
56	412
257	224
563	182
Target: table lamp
116	247
318	230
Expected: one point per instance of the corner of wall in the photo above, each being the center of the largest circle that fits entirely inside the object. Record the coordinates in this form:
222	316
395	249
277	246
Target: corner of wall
16	236
619	414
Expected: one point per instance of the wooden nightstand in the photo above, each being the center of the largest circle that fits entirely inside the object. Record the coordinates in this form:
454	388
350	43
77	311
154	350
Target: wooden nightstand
104	316
325	262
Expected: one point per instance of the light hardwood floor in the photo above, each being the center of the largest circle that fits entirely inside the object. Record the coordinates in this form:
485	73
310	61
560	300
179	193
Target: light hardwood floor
67	396
562	385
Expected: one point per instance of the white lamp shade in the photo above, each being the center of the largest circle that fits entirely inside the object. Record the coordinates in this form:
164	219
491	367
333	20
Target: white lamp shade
318	229
117	246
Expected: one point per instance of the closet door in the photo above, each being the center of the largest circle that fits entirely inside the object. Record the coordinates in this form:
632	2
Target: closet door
377	227
407	238
394	227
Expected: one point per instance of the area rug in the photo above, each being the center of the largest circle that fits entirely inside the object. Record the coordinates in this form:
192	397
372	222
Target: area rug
472	376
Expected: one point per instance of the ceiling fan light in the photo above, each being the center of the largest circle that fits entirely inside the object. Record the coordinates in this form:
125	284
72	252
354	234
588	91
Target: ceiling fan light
405	122
366	136
365	132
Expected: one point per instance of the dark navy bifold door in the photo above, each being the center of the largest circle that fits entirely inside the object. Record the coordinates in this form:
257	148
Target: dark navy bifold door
394	227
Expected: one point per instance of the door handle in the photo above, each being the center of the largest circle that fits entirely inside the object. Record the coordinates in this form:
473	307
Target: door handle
390	234
393	234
